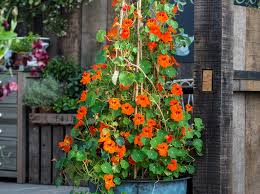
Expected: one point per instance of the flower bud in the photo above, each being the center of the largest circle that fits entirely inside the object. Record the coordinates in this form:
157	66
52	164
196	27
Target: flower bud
15	11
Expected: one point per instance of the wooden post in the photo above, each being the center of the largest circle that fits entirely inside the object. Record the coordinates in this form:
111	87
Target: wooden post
213	50
70	45
94	17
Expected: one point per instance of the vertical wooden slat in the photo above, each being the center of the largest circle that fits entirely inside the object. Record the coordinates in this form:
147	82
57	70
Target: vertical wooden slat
34	154
94	17
252	143
213	50
21	131
68	129
58	135
46	148
110	14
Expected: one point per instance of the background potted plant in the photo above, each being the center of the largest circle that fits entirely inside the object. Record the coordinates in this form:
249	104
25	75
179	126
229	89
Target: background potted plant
143	140
21	49
40	95
68	74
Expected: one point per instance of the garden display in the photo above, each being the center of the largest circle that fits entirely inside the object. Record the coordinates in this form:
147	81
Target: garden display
141	130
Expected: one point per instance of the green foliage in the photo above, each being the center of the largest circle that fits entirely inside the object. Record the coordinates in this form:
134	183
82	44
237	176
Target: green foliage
140	128
24	44
55	14
41	93
68	73
65	104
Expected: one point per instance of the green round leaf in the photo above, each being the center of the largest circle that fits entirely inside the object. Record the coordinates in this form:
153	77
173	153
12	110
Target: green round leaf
146	66
124	164
126	78
101	36
138	156
107	168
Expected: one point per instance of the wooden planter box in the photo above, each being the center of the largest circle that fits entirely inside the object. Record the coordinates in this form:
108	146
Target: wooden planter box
45	131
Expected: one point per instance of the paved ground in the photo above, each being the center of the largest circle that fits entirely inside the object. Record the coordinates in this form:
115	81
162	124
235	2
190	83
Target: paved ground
12	188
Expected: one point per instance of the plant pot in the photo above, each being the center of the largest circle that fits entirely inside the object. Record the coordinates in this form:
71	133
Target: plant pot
20	60
178	186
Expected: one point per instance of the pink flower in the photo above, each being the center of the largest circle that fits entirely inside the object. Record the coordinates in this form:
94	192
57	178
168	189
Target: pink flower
41	65
12	86
38	44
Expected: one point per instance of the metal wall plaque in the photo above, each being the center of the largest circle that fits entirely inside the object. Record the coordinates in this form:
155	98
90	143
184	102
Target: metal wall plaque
248	3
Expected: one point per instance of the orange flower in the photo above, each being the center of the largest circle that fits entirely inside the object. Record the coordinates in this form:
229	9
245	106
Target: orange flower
103	126
156	30
121	151
176	107
108	178
151	22
183	131
177	115
172	30
104	137
147	132
174	103
114	2
125	34
126	7
122	87
99	66
92	130
163	149
138	119
189	108
115	160
109	146
137	140
83	96
86	78
127	23
78	124
169	138
151	123
81	113
162	17
125	134
97	75
143	101
114	103
112	33
173	165
175	9
177	90
166	37
173	61
151	45
163	1
159	87
65	145
127	109
131	161
164	61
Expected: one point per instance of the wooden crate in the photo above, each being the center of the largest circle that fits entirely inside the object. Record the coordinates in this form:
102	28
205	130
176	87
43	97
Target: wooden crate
45	131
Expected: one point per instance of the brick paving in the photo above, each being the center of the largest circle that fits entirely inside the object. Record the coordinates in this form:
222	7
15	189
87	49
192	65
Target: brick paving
13	188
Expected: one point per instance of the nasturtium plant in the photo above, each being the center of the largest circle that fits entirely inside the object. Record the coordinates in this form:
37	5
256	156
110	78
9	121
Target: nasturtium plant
7	34
130	125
